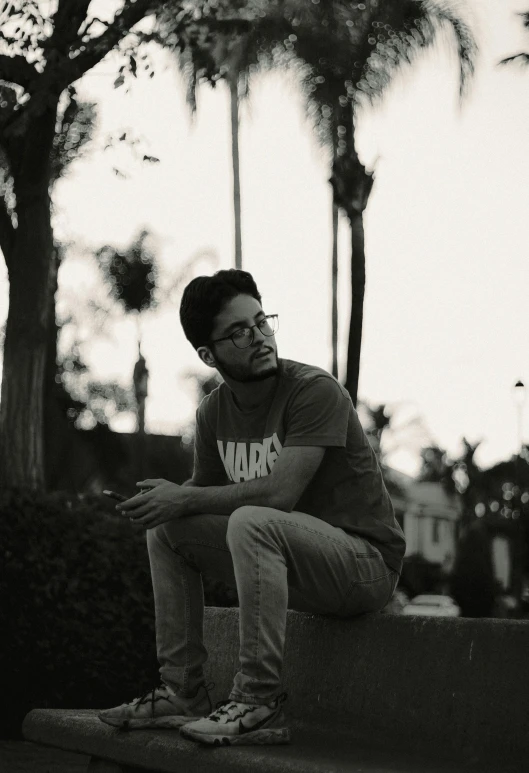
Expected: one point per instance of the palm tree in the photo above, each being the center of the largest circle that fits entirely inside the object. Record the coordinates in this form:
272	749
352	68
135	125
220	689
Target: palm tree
396	425
219	46
344	54
349	53
233	56
132	274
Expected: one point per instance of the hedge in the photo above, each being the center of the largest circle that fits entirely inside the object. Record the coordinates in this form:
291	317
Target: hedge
76	606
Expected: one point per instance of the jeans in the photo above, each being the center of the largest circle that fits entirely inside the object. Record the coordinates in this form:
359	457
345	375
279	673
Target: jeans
276	560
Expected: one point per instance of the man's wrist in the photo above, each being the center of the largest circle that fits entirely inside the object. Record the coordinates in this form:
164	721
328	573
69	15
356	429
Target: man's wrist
190	503
223	500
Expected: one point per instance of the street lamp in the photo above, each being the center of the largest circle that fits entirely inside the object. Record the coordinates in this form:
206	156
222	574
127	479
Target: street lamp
519	399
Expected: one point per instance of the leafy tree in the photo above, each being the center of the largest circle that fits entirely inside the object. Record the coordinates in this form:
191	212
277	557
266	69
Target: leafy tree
472	582
132	275
437	467
381	420
44	50
468	479
133	283
44	53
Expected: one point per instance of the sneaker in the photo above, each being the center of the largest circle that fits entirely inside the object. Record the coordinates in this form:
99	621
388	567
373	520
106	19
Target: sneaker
238	724
160	707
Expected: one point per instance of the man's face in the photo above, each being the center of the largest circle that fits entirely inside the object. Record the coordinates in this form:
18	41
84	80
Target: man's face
257	361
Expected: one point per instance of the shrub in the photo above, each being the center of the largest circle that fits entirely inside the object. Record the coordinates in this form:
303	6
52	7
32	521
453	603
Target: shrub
472	583
77	611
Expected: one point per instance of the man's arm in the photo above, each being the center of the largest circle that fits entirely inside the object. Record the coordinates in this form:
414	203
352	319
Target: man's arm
281	489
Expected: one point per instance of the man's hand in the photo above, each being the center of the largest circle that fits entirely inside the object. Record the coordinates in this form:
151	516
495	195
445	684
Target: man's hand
164	501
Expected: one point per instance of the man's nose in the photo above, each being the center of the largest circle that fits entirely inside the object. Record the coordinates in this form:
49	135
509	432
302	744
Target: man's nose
258	334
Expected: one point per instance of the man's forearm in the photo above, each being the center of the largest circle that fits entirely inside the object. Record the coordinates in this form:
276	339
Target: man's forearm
223	500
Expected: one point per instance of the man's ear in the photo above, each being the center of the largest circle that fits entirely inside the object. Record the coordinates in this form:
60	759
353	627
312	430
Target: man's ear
206	356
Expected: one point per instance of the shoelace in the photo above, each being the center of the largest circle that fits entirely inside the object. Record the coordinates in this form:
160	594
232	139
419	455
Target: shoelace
151	696
223	708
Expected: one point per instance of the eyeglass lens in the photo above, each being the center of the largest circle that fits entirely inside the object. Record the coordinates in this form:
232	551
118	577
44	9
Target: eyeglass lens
244	337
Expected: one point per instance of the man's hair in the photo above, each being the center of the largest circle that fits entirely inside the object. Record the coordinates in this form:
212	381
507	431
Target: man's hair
205	297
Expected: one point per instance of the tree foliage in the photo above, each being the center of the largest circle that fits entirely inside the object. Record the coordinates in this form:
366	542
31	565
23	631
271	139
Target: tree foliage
132	273
341	51
46	48
472	582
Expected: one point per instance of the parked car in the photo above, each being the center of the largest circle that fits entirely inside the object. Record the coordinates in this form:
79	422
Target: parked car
432	604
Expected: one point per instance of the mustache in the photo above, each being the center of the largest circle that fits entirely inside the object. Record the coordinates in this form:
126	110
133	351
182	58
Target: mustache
262	351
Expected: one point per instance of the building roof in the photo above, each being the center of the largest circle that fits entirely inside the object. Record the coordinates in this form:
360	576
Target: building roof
431	499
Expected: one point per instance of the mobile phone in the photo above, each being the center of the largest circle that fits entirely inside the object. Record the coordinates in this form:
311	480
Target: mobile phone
115	495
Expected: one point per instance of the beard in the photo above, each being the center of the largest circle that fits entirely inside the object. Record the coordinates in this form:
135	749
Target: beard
244	373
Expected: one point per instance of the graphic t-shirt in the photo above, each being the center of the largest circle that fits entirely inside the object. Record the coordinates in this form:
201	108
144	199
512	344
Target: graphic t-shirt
308	407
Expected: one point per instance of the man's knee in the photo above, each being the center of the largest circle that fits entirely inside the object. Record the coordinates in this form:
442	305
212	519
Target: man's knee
156	534
171	531
244	519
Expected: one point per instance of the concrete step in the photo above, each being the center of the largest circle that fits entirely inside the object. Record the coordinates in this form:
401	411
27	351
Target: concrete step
313	749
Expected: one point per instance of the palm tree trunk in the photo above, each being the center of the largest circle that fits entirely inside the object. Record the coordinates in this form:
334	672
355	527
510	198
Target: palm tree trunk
334	273
234	94
358	280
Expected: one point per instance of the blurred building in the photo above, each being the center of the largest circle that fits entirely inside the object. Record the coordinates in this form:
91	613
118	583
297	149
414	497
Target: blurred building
428	516
431	523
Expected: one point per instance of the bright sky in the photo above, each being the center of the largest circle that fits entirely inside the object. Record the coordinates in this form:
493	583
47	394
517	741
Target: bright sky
446	318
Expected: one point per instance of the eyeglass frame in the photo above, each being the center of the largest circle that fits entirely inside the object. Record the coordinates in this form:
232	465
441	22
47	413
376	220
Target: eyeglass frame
251	327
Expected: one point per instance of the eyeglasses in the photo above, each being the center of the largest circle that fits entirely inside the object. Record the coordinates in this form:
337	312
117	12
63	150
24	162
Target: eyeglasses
244	336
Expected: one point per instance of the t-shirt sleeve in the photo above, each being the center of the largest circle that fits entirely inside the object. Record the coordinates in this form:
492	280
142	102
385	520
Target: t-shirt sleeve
318	415
208	469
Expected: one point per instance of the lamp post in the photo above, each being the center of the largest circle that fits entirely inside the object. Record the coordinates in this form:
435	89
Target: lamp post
519	399
519	395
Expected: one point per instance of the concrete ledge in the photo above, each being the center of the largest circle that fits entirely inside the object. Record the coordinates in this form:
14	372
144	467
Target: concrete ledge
454	688
165	751
446	689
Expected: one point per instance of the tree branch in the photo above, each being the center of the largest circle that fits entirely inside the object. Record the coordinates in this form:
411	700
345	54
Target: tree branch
67	21
16	69
62	71
97	48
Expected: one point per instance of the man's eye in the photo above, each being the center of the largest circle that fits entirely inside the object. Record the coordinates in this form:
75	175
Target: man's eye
241	333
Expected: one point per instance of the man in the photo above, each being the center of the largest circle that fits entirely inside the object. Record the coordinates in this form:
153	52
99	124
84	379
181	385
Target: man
286	502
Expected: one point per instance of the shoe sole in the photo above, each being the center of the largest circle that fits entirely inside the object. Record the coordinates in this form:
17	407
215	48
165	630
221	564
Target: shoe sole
143	724
265	736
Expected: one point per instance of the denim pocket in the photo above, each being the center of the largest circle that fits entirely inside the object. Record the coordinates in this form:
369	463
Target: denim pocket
369	595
